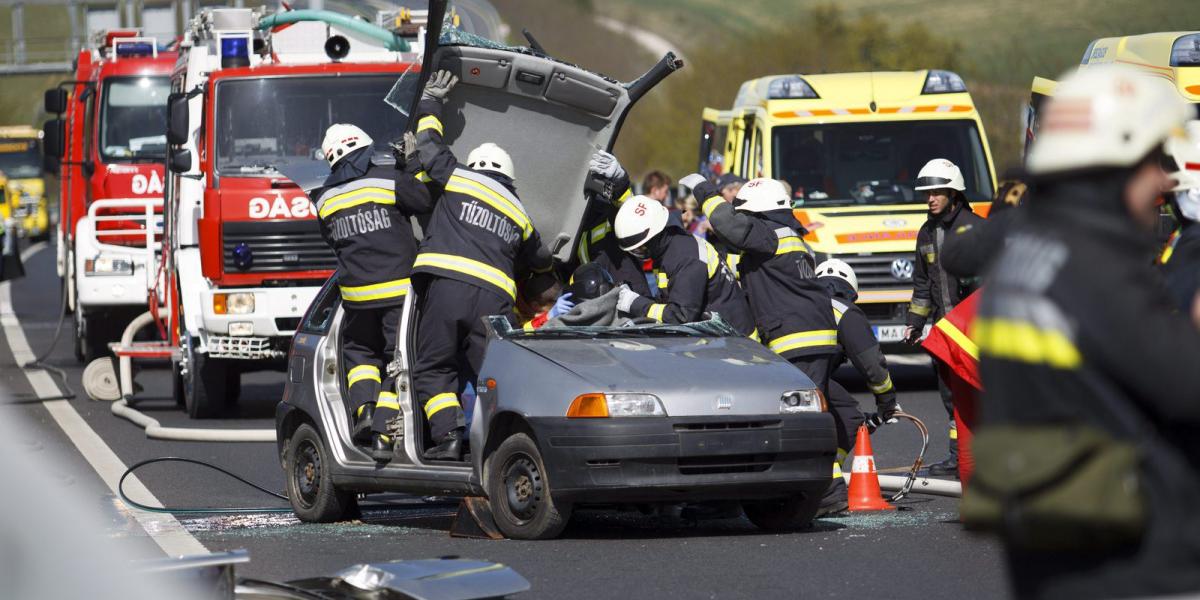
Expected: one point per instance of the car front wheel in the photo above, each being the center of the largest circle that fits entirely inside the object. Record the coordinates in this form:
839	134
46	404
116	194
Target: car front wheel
519	492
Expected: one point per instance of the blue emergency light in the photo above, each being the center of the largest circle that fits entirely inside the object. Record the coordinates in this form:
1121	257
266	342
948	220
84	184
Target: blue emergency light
131	49
235	51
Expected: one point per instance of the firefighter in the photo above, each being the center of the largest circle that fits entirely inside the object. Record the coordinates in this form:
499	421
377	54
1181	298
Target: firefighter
791	308
374	243
479	236
596	243
856	342
935	292
1077	342
690	276
1181	259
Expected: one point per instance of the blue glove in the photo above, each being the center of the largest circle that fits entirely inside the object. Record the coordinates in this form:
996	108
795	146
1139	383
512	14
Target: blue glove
562	306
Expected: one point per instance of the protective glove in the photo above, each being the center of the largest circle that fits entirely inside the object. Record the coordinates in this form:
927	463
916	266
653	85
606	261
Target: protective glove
912	335
887	409
439	86
562	306
605	166
405	149
625	298
702	188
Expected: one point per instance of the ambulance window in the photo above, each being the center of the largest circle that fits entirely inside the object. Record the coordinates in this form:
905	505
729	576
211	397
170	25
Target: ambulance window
757	170
324	306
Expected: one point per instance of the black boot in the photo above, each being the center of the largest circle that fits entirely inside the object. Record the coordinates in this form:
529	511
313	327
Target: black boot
835	500
948	467
381	447
361	432
449	447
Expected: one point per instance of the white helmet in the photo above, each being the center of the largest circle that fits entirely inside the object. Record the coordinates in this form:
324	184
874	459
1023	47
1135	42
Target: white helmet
490	157
836	267
638	221
760	195
1186	152
1105	116
341	139
940	174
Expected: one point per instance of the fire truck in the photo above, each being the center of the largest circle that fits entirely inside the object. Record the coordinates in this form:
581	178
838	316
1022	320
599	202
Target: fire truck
107	146
251	97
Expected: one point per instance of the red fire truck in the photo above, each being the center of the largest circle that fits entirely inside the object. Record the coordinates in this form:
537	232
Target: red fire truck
108	147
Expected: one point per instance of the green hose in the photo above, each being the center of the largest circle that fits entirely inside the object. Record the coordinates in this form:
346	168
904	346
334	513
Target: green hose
390	40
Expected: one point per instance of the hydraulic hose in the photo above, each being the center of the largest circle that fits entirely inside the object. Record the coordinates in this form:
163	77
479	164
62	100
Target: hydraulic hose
389	40
911	483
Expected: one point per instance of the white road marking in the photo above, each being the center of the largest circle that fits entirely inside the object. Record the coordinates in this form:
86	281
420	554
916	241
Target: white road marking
163	528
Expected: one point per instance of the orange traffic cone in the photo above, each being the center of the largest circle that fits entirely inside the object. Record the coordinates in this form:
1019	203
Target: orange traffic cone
864	480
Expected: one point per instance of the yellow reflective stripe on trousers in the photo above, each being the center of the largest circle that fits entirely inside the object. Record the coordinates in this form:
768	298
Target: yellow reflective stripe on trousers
882	388
960	338
429	122
480	192
362	373
790	244
441	402
1025	342
656	312
711	205
803	339
355	198
387	400
467	266
376	291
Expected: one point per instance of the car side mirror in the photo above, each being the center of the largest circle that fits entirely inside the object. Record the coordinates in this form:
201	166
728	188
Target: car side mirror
177	119
180	161
53	134
55	101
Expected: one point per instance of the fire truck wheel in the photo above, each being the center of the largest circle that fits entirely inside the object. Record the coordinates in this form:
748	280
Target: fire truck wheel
177	385
204	387
92	335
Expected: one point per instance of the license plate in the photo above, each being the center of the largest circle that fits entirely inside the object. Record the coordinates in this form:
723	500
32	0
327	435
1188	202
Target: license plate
889	333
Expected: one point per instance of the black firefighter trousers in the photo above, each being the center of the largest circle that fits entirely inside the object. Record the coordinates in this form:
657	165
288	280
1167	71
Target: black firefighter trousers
451	340
368	345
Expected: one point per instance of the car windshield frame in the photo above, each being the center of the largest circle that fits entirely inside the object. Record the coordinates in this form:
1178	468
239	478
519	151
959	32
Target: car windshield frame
714	326
871	191
29	168
263	164
104	126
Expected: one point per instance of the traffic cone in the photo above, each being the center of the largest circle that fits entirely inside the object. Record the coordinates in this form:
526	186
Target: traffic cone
864	480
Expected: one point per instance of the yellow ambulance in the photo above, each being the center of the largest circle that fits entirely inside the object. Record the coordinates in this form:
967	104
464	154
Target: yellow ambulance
25	198
850	145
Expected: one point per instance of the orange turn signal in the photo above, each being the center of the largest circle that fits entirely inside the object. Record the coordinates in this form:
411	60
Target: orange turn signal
219	305
491	384
824	403
588	406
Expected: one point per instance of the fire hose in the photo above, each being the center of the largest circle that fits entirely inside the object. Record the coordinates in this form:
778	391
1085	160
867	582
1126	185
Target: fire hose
912	482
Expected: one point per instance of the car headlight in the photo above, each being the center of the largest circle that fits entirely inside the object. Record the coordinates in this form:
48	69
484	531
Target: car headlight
616	405
801	401
241	303
108	265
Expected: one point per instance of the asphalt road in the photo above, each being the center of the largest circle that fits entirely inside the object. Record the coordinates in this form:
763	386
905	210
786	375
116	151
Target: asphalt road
919	551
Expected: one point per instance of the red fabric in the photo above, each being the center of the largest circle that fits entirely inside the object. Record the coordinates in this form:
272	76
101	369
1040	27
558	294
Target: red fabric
539	320
948	351
966	413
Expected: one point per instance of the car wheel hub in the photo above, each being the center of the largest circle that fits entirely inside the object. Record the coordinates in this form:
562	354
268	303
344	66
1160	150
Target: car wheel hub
522	482
308	473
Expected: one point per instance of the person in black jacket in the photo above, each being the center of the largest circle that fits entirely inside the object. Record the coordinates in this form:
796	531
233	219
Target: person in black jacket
691	277
373	240
791	308
936	292
479	235
1077	335
1180	259
596	241
970	248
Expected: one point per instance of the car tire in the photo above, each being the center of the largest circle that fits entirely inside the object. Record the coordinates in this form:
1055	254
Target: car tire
204	387
519	492
310	488
780	514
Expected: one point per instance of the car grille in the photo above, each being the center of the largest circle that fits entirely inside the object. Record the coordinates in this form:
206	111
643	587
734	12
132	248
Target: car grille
276	246
713	465
727	425
874	271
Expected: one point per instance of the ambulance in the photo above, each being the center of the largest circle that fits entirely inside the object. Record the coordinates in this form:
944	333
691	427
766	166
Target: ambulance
850	145
21	164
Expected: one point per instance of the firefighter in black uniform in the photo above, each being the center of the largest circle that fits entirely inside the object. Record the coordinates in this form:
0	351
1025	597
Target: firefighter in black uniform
690	276
478	235
856	342
373	240
1077	341
791	308
597	242
936	292
1180	259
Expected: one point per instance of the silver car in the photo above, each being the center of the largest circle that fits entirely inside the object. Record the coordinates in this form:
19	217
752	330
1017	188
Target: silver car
565	417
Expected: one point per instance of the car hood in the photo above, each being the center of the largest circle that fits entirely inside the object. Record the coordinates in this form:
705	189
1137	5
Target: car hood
688	374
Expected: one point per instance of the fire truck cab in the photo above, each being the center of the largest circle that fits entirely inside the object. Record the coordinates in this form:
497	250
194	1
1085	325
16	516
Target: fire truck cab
251	93
107	146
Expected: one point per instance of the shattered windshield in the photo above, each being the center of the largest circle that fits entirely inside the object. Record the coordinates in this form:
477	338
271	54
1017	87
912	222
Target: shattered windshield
133	119
853	164
714	326
262	122
20	158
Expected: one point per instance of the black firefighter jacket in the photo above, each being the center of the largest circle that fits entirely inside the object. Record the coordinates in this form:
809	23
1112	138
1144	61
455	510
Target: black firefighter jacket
1073	322
479	232
791	308
364	219
857	341
1181	266
598	244
936	292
